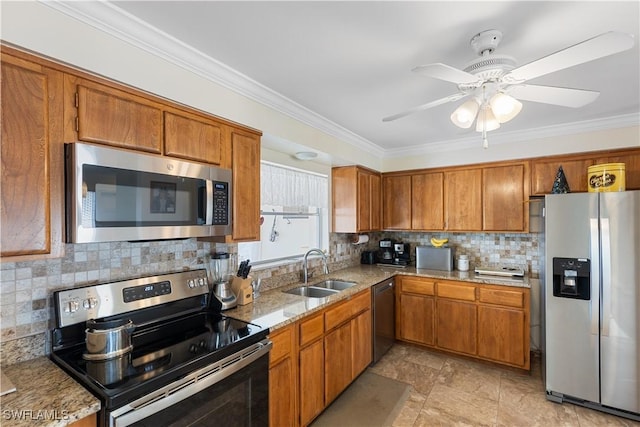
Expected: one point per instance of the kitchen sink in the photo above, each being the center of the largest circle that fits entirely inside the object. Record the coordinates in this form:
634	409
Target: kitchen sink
336	284
312	291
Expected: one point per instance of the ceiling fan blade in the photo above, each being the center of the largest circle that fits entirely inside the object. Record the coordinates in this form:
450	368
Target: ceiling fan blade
446	73
426	106
597	47
563	96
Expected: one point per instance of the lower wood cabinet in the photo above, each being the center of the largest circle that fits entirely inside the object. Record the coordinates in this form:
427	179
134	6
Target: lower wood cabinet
282	378
315	359
488	322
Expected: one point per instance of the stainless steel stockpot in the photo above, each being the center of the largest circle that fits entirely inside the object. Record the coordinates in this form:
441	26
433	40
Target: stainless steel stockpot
108	339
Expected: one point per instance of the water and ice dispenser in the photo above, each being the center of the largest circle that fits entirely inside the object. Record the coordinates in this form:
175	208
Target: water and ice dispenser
572	278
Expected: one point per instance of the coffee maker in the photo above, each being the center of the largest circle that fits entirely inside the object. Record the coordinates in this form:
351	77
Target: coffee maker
385	253
401	253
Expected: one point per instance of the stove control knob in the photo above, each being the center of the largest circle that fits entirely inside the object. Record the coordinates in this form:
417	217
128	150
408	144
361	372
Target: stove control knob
201	282
202	343
72	307
191	283
193	348
89	303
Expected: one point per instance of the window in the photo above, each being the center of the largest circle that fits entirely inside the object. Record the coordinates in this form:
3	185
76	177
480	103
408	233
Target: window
294	215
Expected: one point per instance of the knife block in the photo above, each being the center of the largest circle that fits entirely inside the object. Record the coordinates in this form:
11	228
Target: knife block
243	290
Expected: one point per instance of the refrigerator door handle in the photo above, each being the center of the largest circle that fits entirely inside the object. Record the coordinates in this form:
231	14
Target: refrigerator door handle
595	250
606	275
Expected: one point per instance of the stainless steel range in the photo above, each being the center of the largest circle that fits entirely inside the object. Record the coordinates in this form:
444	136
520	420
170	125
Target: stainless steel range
157	351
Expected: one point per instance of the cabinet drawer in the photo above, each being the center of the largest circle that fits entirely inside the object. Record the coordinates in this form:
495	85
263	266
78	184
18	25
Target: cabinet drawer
345	311
282	344
506	297
417	286
457	291
311	329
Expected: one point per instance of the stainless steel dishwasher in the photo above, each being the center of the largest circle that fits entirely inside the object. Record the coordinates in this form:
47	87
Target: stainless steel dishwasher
383	330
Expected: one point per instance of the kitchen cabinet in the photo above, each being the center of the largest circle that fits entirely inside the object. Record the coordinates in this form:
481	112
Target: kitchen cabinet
427	201
282	378
311	368
88	421
503	325
396	212
245	154
31	184
488	322
416	310
347	343
107	115
356	199
192	137
504	196
576	166
463	199
456	319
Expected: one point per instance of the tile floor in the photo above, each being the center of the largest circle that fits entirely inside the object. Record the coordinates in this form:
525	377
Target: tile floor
449	390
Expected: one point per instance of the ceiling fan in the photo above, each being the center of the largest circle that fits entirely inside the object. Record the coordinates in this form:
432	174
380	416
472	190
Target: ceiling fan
494	84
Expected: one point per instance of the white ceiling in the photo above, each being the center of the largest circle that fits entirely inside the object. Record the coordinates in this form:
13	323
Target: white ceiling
350	62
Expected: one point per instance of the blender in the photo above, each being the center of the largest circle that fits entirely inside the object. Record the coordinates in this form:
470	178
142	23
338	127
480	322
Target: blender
220	264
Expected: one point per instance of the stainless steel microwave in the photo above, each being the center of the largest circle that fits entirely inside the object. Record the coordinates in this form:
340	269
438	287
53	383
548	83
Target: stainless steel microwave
117	195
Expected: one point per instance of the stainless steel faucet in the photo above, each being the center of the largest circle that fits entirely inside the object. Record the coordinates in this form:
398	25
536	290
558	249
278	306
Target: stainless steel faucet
305	271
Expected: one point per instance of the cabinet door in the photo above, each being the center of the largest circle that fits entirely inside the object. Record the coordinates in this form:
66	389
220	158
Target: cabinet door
111	116
364	201
311	381
246	186
282	394
192	138
456	326
501	334
544	173
417	318
427	201
632	168
504	197
396	194
361	350
337	363
375	190
463	200
31	158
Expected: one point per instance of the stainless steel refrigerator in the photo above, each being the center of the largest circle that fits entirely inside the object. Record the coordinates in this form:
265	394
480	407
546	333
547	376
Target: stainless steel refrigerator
591	297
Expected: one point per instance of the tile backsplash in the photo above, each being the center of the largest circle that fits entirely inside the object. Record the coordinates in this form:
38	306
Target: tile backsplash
26	287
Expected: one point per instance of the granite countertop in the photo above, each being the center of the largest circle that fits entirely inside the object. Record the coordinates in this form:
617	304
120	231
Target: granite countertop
45	396
275	309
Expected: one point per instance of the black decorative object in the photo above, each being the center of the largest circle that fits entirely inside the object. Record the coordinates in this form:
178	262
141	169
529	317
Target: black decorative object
560	184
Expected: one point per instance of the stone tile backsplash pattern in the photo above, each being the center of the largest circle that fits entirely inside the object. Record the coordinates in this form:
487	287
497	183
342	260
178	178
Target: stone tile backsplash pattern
26	287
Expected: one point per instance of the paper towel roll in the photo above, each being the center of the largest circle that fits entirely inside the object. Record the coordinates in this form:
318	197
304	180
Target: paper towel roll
359	239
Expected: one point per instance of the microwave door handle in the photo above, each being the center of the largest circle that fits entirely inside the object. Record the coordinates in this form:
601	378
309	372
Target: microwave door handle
209	198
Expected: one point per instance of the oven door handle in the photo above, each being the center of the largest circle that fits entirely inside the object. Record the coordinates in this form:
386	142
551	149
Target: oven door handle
191	384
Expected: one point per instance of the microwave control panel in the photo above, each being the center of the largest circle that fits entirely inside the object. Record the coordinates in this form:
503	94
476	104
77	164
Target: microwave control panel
220	203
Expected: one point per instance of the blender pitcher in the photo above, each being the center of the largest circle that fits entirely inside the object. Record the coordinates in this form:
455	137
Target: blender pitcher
219	270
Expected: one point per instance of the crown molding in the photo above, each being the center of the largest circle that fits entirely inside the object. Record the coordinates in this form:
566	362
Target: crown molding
621	121
118	23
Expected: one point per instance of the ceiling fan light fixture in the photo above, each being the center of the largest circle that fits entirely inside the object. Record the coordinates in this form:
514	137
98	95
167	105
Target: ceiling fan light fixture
486	120
465	114
504	107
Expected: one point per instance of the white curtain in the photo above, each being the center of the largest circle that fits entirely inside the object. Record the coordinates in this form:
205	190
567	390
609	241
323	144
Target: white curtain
287	187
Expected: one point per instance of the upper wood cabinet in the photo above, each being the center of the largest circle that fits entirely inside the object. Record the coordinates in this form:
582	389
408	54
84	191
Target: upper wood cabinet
192	137
505	195
356	199
31	162
245	153
427	201
576	166
396	212
463	199
115	117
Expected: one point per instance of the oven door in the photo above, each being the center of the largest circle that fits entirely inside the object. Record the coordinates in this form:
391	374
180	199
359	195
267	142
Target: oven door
231	392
